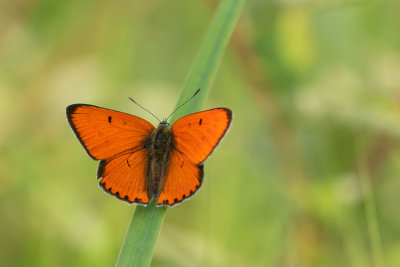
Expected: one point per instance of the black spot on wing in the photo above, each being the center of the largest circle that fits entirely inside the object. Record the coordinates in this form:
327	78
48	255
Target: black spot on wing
109	119
200	121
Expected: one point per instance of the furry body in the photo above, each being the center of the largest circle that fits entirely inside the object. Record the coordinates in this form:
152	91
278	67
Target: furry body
159	145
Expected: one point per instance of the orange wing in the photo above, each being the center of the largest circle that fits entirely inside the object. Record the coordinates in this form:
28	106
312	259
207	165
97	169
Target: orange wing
117	139
196	135
105	133
125	176
183	179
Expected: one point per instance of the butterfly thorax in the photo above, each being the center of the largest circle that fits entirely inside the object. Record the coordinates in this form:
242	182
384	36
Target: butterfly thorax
159	145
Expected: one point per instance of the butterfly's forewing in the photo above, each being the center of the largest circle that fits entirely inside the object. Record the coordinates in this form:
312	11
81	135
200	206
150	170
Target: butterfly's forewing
105	133
124	176
196	135
117	139
182	180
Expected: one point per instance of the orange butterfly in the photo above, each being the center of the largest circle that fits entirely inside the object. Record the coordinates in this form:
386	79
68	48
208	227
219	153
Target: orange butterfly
140	162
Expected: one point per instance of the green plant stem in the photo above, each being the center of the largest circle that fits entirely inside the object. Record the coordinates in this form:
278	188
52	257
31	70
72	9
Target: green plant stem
138	246
140	240
370	211
205	65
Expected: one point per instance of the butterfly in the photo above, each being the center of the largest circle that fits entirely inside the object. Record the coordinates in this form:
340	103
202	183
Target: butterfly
139	162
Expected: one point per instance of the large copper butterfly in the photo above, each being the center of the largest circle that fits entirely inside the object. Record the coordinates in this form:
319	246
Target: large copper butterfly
139	162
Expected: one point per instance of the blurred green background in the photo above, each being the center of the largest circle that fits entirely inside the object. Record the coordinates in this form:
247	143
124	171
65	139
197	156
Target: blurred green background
307	176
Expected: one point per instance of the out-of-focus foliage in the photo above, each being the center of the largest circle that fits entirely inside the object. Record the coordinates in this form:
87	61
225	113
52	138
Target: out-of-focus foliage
308	175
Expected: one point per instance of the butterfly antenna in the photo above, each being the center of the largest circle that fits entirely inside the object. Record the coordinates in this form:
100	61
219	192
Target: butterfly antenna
181	105
144	108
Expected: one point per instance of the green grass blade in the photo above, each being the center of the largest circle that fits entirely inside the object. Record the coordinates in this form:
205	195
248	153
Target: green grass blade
370	208
140	240
205	65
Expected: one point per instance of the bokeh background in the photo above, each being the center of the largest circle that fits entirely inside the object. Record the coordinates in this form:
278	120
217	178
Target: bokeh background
309	174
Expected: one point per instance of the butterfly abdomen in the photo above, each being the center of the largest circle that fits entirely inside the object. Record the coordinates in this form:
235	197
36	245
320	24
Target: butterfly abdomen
159	145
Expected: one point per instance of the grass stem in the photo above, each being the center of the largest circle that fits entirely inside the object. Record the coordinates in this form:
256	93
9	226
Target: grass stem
140	240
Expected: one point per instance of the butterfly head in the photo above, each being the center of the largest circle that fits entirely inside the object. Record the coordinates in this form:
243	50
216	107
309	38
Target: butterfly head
164	122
